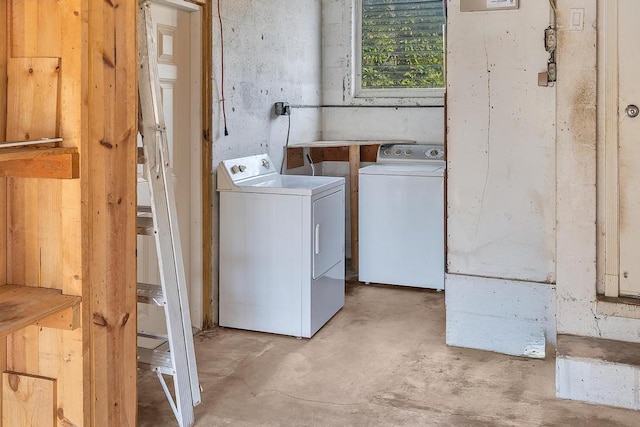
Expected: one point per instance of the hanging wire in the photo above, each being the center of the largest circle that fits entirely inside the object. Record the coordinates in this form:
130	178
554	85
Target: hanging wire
224	112
286	145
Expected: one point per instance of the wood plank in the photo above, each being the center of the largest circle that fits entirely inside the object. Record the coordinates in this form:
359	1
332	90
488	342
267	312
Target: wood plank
68	319
350	142
73	371
28	401
8	154
61	166
32	98
22	306
317	155
354	166
369	153
295	158
3	355
3	68
3	182
208	304
334	154
35	28
108	178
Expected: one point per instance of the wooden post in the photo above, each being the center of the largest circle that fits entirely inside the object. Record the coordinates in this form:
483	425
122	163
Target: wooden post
207	166
354	166
3	182
109	220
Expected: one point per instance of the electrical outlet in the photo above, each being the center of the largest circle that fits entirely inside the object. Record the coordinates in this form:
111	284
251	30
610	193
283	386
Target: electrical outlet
550	39
282	109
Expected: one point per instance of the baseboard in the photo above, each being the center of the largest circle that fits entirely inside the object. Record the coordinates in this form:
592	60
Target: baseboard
598	371
504	316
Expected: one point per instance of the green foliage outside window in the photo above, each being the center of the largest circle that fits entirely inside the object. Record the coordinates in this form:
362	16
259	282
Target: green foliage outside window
402	44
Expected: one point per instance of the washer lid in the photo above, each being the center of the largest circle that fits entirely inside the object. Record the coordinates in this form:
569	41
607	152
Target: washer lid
255	177
290	184
434	168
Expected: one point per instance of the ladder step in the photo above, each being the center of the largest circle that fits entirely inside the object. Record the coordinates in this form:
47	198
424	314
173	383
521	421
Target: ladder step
151	294
154	336
144	209
145	226
155	360
141	159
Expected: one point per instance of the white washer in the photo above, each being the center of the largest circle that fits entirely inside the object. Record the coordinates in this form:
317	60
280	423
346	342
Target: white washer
401	217
281	248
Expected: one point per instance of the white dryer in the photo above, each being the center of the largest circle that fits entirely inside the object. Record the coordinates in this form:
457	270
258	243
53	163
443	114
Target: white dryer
281	248
401	217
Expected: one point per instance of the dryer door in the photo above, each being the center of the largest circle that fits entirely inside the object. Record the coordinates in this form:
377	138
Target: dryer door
328	232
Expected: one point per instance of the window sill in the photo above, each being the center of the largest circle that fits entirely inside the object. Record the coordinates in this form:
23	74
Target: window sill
410	101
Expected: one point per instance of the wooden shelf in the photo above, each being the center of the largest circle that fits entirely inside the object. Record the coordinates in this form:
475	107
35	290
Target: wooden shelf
22	306
44	162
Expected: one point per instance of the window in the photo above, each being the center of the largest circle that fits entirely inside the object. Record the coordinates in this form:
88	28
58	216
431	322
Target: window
401	48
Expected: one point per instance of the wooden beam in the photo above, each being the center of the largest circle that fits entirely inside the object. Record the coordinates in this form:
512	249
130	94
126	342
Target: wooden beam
3	67
368	153
28	401
3	361
354	166
68	319
108	178
3	182
59	162
208	318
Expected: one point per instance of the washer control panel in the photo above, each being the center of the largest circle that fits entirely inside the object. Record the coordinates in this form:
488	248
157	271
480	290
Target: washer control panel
413	153
233	171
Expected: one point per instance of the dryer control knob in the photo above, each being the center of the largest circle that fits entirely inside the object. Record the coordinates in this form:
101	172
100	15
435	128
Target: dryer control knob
242	168
235	169
408	153
398	152
387	151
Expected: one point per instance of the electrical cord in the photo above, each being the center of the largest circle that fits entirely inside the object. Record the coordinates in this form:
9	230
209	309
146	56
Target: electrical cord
313	166
224	112
286	145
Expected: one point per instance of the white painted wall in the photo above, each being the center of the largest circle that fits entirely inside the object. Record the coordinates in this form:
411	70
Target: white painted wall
272	52
348	117
501	145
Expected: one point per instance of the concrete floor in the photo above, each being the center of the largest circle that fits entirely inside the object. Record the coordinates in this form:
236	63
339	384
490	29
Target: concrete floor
381	361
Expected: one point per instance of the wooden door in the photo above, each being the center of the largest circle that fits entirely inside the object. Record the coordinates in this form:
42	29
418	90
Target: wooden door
176	26
629	145
619	99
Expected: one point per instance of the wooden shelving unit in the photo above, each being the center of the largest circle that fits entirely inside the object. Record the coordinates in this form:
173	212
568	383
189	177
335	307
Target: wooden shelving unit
22	306
68	92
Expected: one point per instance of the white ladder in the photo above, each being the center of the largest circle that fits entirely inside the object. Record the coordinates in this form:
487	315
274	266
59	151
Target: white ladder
160	220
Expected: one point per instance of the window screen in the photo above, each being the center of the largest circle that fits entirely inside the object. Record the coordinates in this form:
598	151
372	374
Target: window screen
402	44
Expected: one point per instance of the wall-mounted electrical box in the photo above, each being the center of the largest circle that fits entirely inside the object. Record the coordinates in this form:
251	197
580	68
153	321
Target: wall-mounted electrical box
487	5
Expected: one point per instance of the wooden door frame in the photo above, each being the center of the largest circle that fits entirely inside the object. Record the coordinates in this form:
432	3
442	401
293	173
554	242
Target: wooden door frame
608	46
206	169
207	161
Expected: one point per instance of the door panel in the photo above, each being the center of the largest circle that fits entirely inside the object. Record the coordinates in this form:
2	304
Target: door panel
174	40
328	232
629	146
